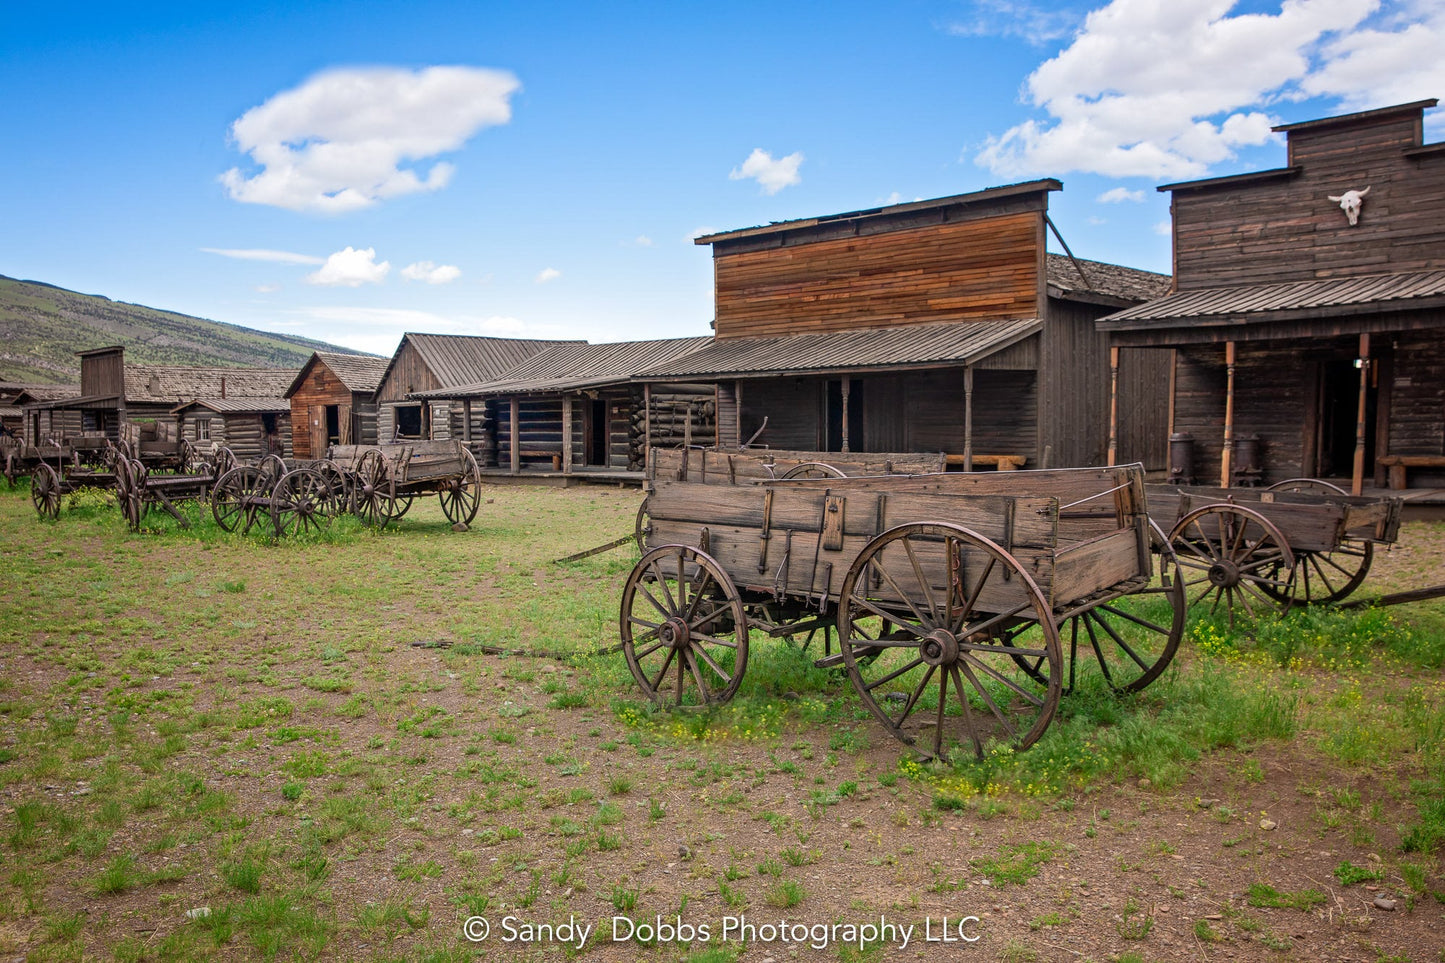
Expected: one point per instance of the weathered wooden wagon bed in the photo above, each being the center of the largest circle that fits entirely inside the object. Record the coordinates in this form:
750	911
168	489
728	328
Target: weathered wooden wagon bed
1301	541
384	479
947	591
294	496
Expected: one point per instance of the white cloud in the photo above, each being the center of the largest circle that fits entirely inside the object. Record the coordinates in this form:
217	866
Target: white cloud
1118	195
350	269
642	240
548	274
771	174
348	138
431	273
701	232
260	254
1164	228
1393	61
1013	18
1094	221
1167	88
267	288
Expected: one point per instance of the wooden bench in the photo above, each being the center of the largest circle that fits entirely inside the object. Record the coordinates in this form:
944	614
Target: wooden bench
1398	464
1001	462
554	454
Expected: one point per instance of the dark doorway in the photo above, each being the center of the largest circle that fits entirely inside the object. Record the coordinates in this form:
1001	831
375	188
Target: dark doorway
408	421
1339	405
855	415
333	424
596	440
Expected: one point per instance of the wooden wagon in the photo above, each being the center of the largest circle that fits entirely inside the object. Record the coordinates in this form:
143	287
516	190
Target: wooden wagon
948	592
1301	541
383	480
293	496
138	489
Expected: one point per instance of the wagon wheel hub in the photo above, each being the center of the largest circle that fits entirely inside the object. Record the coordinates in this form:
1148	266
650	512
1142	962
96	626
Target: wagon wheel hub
674	632
939	648
1224	573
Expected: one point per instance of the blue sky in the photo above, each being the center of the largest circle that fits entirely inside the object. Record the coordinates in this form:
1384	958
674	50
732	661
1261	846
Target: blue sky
351	171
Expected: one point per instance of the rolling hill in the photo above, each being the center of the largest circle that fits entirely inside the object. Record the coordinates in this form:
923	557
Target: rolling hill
42	326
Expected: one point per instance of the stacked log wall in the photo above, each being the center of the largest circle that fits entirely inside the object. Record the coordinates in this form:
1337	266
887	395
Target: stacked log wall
1417	401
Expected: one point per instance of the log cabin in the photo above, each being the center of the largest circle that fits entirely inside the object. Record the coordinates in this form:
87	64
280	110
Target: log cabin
431	362
332	401
1303	338
573	409
935	326
251	427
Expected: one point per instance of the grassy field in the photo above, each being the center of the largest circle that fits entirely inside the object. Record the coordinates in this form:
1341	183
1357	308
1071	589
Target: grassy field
214	747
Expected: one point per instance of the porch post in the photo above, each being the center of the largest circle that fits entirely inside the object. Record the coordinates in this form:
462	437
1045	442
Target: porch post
646	423
467	421
1113	405
567	433
968	418
516	436
1357	477
843	386
1227	456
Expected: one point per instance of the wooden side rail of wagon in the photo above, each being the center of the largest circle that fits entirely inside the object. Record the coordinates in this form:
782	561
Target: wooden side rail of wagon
1301	541
748	466
51	482
1399	465
1000	462
964	604
139	490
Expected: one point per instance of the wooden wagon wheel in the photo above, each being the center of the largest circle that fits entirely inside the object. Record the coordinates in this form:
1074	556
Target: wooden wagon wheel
301	503
374	491
959	605
1324	576
225	460
642	527
134	505
462	495
677	608
1128	641
12	467
233	498
1235	554
45	491
814	469
338	481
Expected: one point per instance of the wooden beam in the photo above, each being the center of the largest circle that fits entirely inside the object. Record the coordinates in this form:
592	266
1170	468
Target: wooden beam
968	418
843	388
1227	456
567	433
516	436
1357	476
1113	405
467	421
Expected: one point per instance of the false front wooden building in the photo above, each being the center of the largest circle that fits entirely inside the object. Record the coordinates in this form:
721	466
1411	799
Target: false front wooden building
936	326
1305	326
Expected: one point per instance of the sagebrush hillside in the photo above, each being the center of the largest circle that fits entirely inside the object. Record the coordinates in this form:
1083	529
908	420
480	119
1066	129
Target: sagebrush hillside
42	326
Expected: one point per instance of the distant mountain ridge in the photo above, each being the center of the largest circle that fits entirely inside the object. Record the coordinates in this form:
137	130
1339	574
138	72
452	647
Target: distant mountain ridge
42	326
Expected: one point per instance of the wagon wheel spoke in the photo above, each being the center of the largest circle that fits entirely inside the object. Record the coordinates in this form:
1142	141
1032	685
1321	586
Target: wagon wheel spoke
1251	566
971	655
662	673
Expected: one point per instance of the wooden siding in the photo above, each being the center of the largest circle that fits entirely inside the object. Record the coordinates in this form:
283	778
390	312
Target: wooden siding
1074	385
408	373
317	391
242	433
1416	406
1287	228
1143	409
103	374
793	408
985	269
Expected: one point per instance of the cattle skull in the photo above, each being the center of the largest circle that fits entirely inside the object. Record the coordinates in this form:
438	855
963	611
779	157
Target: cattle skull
1350	202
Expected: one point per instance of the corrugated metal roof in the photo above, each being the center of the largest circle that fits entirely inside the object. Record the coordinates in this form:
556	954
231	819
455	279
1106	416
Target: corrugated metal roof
458	359
959	342
1256	302
358	372
1112	280
239	406
574	366
171	383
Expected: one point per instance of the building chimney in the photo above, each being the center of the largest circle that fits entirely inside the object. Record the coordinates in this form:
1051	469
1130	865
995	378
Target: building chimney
223	389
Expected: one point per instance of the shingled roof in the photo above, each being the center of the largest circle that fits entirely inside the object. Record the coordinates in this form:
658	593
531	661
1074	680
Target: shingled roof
159	384
356	372
1101	280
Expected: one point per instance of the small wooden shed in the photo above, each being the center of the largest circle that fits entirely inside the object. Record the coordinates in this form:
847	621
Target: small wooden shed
332	401
938	325
251	427
1305	339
